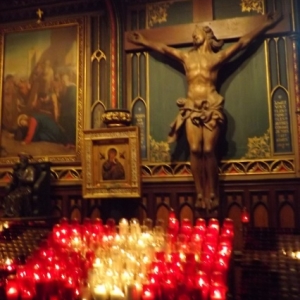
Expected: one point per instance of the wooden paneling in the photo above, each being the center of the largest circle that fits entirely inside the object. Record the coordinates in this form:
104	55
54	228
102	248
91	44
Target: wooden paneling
272	203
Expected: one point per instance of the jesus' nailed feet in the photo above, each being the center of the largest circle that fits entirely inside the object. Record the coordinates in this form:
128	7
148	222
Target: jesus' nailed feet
209	205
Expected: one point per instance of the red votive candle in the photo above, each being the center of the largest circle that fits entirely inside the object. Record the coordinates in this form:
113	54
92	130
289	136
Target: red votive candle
221	265
56	233
224	249
148	292
228	232
186	227
214	230
228	223
196	243
154	279
75	227
206	263
225	237
27	294
173	223
86	231
214	223
211	238
65	235
160	256
202	284
168	287
111	223
26	284
209	247
200	230
245	216
174	264
97	230
64	221
218	292
67	291
10	265
172	270
217	278
158	267
12	288
200	222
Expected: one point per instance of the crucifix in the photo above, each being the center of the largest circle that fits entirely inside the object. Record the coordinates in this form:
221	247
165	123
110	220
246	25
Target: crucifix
201	112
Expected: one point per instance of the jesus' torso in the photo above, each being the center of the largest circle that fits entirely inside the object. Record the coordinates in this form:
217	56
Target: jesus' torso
201	72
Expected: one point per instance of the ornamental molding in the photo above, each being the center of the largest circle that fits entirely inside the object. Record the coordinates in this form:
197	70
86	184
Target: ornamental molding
157	13
252	5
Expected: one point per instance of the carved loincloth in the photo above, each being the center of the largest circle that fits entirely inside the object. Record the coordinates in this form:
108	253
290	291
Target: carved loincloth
201	113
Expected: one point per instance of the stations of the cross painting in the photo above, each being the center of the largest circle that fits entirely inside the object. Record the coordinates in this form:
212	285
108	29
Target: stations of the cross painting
224	29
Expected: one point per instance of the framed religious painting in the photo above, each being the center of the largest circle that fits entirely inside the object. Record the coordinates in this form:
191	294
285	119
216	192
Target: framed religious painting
41	86
111	163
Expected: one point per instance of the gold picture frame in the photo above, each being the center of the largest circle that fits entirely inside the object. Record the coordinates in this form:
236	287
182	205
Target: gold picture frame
42	68
111	165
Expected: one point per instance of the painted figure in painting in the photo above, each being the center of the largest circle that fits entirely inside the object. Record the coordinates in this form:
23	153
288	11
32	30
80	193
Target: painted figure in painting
41	127
67	116
112	169
46	103
202	109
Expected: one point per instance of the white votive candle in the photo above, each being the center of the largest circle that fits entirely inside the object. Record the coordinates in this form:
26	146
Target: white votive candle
116	294
100	292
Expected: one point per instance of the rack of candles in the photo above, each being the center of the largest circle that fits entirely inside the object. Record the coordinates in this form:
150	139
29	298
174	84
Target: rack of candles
270	264
129	260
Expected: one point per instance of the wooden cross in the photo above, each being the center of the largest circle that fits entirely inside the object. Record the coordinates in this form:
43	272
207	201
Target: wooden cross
203	16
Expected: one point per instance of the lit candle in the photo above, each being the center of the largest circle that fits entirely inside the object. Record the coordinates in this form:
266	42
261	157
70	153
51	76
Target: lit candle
226	236
199	230
116	294
111	223
10	265
206	262
133	291
135	229
228	224
100	292
213	226
123	227
148	292
200	222
186	227
97	230
211	238
26	284
245	217
217	278
202	284
209	247
56	232
160	256
27	294
12	288
173	224
221	265
218	292
168	287
224	249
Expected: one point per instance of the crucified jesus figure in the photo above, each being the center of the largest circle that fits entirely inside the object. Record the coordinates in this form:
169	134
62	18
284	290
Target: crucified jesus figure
202	109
